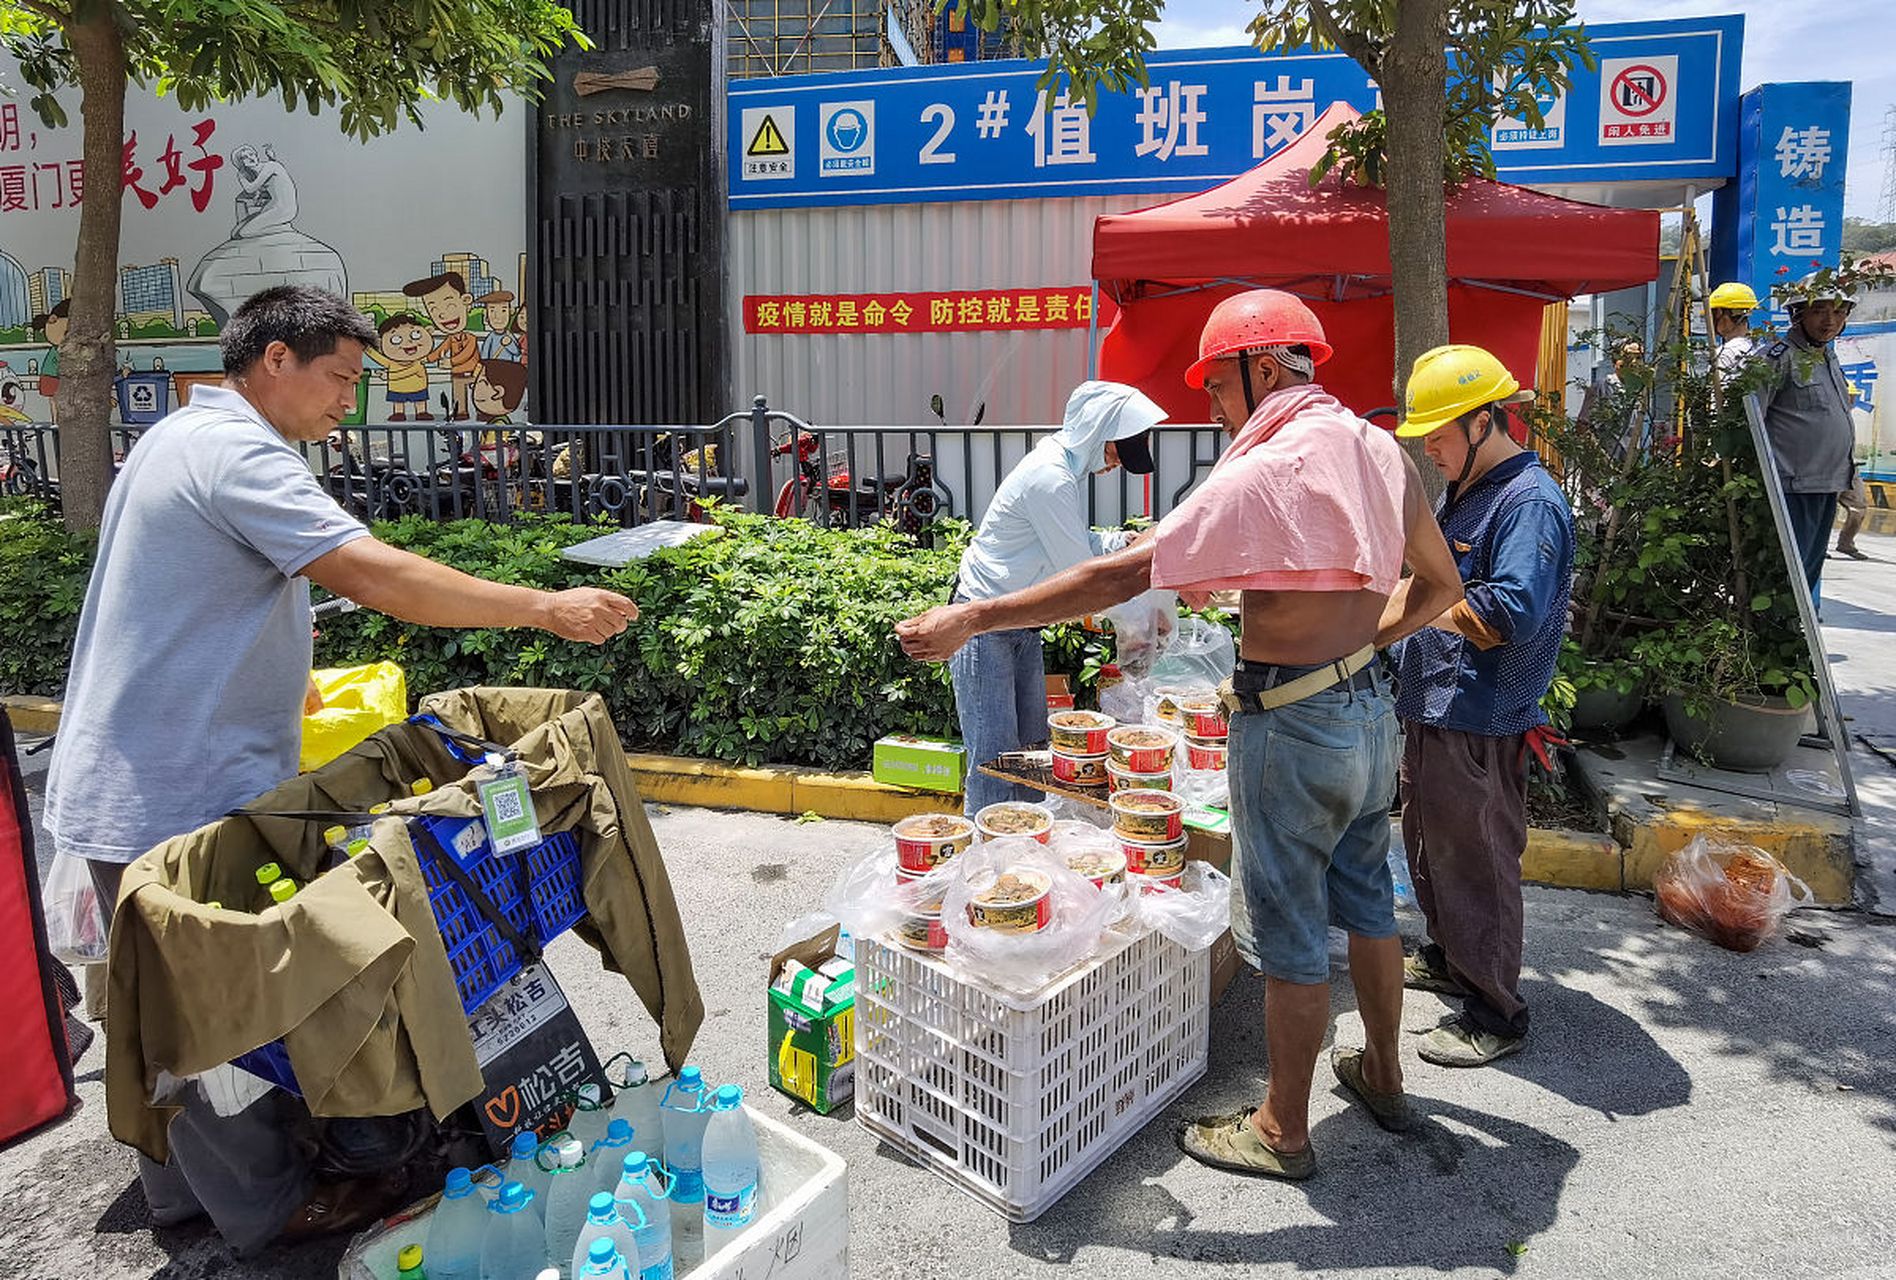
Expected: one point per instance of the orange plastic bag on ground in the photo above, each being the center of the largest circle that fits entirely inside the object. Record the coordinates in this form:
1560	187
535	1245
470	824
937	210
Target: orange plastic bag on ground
356	702
1733	894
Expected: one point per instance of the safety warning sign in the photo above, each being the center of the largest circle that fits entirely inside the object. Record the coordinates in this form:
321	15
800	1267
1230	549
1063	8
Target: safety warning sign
1639	99
769	135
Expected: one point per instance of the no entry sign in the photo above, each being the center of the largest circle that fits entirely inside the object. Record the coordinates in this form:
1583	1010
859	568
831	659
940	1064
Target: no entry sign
1638	100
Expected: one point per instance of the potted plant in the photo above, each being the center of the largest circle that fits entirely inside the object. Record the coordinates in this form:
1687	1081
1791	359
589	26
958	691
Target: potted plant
1680	584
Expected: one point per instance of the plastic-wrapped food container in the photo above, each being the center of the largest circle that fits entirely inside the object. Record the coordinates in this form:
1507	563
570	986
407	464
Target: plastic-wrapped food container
1143	748
1151	817
924	841
1015	818
1019	901
1079	733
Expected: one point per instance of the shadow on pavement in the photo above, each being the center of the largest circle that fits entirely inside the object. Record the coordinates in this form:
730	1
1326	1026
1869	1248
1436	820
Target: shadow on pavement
1594	1056
1814	1014
1457	1191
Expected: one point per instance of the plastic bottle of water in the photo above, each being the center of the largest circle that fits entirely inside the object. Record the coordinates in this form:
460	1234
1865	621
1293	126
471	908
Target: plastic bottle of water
635	1101
640	1189
1399	874
590	1115
730	1170
454	1231
603	1222
522	1168
608	1156
513	1245
603	1261
566	1201
685	1116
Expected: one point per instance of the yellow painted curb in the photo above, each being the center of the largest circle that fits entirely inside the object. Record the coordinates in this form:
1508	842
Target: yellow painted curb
37	716
1815	847
1572	860
779	789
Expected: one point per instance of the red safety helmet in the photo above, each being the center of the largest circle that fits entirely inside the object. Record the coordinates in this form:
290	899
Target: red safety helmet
1257	318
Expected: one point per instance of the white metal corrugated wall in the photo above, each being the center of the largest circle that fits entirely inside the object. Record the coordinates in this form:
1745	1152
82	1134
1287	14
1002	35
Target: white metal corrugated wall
848	380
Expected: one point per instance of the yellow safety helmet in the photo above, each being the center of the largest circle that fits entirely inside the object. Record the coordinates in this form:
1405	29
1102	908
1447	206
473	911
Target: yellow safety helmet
1733	297
1451	381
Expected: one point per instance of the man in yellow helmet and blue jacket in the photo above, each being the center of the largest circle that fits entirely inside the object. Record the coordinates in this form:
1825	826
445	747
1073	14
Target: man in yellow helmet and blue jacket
1469	692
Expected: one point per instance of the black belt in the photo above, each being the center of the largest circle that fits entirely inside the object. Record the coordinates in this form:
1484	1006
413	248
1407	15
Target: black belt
1256	677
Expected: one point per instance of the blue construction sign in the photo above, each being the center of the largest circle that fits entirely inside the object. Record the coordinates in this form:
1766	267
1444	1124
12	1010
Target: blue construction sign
1660	107
1783	217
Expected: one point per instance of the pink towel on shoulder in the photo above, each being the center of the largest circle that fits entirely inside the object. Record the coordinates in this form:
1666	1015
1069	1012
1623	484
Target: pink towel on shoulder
1307	498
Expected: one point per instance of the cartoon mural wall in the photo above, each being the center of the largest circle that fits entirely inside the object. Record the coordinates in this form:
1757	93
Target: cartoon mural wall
424	230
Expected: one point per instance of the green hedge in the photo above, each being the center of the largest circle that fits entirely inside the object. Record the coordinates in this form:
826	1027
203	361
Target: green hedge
772	641
43	573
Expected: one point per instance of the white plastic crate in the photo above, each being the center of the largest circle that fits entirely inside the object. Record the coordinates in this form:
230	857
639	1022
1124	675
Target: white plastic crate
801	1231
1015	1101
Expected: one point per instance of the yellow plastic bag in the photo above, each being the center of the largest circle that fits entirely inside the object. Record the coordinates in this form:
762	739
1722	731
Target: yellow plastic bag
356	702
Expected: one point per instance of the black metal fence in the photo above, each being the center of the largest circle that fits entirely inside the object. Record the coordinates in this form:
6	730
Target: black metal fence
763	459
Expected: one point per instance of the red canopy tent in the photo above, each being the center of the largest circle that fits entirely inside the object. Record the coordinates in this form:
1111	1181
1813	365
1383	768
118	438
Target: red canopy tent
1510	252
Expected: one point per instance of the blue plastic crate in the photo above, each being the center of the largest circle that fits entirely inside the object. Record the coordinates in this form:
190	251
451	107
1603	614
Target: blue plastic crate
480	955
482	959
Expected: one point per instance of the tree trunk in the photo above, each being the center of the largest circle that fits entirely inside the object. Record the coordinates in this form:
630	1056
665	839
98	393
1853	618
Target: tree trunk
87	357
1414	81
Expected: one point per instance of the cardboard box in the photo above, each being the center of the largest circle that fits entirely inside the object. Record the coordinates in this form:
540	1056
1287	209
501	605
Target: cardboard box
811	1041
923	764
1059	693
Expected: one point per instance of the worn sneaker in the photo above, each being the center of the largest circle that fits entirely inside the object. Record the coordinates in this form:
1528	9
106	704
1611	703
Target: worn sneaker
1457	1044
1390	1110
1419	975
1852	552
1231	1144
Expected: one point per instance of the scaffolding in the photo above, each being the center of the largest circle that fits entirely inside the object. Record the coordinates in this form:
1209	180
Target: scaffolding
794	37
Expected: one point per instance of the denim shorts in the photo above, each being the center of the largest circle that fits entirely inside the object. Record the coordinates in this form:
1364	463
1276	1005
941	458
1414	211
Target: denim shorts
1311	785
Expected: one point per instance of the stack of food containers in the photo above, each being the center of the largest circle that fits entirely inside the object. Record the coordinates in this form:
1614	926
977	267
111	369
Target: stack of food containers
1079	747
925	842
1148	818
1206	731
1140	758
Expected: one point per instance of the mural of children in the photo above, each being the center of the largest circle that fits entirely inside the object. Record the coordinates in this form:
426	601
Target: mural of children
53	327
402	347
448	303
503	339
498	391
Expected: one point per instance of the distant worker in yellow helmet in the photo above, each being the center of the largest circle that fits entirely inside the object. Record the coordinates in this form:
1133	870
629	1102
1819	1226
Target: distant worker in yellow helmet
1732	305
1469	690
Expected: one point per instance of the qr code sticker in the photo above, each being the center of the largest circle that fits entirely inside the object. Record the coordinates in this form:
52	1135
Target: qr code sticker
507	806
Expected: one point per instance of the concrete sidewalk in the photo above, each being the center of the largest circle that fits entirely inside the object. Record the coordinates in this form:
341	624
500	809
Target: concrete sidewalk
1681	1112
1859	626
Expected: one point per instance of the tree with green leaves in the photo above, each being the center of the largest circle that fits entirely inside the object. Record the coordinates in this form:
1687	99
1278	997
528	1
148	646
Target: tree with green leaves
1447	69
373	61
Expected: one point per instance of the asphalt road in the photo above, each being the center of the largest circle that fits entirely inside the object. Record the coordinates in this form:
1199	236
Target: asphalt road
1681	1111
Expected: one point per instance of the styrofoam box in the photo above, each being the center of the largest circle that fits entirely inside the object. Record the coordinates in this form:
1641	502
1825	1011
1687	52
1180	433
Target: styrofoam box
1015	1101
801	1231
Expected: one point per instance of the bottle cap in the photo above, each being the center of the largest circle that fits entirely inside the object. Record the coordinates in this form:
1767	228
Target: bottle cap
282	891
690	1078
215	905
379	809
524	1145
571	1154
420	787
357	846
513	1198
460	1182
268	872
600	1206
634	1164
618	1133
729	1098
602	1253
589	1099
409	1259
335	835
633	1073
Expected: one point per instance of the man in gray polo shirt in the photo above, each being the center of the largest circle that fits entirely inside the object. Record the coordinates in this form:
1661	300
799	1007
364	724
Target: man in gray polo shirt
186	689
1807	419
